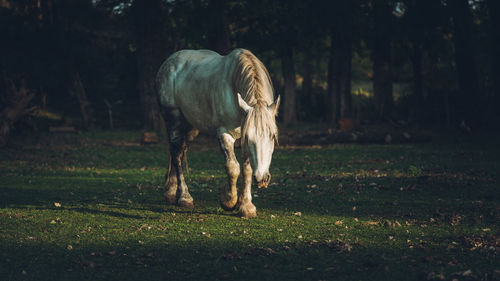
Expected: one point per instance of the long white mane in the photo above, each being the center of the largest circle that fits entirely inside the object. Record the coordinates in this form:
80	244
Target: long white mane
251	79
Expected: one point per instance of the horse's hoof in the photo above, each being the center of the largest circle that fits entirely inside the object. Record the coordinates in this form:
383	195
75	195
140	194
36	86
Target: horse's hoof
247	211
186	203
171	198
228	206
228	203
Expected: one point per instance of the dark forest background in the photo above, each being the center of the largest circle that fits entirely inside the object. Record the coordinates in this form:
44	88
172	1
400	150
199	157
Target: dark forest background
92	63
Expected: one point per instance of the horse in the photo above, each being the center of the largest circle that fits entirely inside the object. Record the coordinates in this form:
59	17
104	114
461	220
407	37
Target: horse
232	96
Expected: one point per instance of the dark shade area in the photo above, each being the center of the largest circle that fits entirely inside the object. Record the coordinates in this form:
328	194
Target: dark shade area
91	63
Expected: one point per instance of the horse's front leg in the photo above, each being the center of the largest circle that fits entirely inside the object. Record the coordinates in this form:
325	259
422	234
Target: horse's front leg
247	208
228	193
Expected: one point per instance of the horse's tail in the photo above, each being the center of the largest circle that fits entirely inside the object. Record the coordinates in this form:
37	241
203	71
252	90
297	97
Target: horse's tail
186	166
168	170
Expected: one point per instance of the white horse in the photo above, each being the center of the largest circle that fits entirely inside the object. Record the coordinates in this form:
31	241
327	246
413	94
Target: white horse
199	90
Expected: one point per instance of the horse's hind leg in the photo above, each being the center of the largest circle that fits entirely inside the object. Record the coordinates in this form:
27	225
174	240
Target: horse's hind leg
171	183
228	193
171	175
179	132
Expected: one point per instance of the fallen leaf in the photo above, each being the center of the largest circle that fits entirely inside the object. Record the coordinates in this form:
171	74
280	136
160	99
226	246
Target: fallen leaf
467	273
434	276
340	246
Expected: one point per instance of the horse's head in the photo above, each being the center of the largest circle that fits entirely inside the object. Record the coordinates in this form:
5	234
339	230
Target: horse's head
259	134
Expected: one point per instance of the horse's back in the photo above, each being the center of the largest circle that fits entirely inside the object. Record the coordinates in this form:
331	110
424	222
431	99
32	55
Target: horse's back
181	58
172	73
198	81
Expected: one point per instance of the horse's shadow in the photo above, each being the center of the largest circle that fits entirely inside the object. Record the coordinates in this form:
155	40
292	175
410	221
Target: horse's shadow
178	210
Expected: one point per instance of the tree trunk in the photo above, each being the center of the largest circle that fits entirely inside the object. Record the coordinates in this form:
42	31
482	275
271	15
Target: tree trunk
418	92
333	85
307	83
47	12
150	42
494	13
382	62
110	113
81	96
469	97
289	107
345	83
416	31
340	64
305	98
344	43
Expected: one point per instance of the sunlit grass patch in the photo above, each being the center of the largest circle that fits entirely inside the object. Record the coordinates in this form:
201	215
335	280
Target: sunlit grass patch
390	212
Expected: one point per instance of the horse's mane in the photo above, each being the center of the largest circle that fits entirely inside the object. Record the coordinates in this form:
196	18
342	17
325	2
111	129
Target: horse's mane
251	79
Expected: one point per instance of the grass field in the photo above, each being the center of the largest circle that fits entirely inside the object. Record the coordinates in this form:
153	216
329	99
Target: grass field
90	207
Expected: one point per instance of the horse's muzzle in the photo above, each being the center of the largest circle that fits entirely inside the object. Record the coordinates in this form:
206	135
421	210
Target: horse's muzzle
264	182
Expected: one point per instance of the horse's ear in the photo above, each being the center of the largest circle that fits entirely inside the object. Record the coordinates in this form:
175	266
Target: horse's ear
243	105
274	106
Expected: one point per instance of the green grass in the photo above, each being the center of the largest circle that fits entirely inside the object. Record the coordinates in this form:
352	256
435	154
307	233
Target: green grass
90	207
